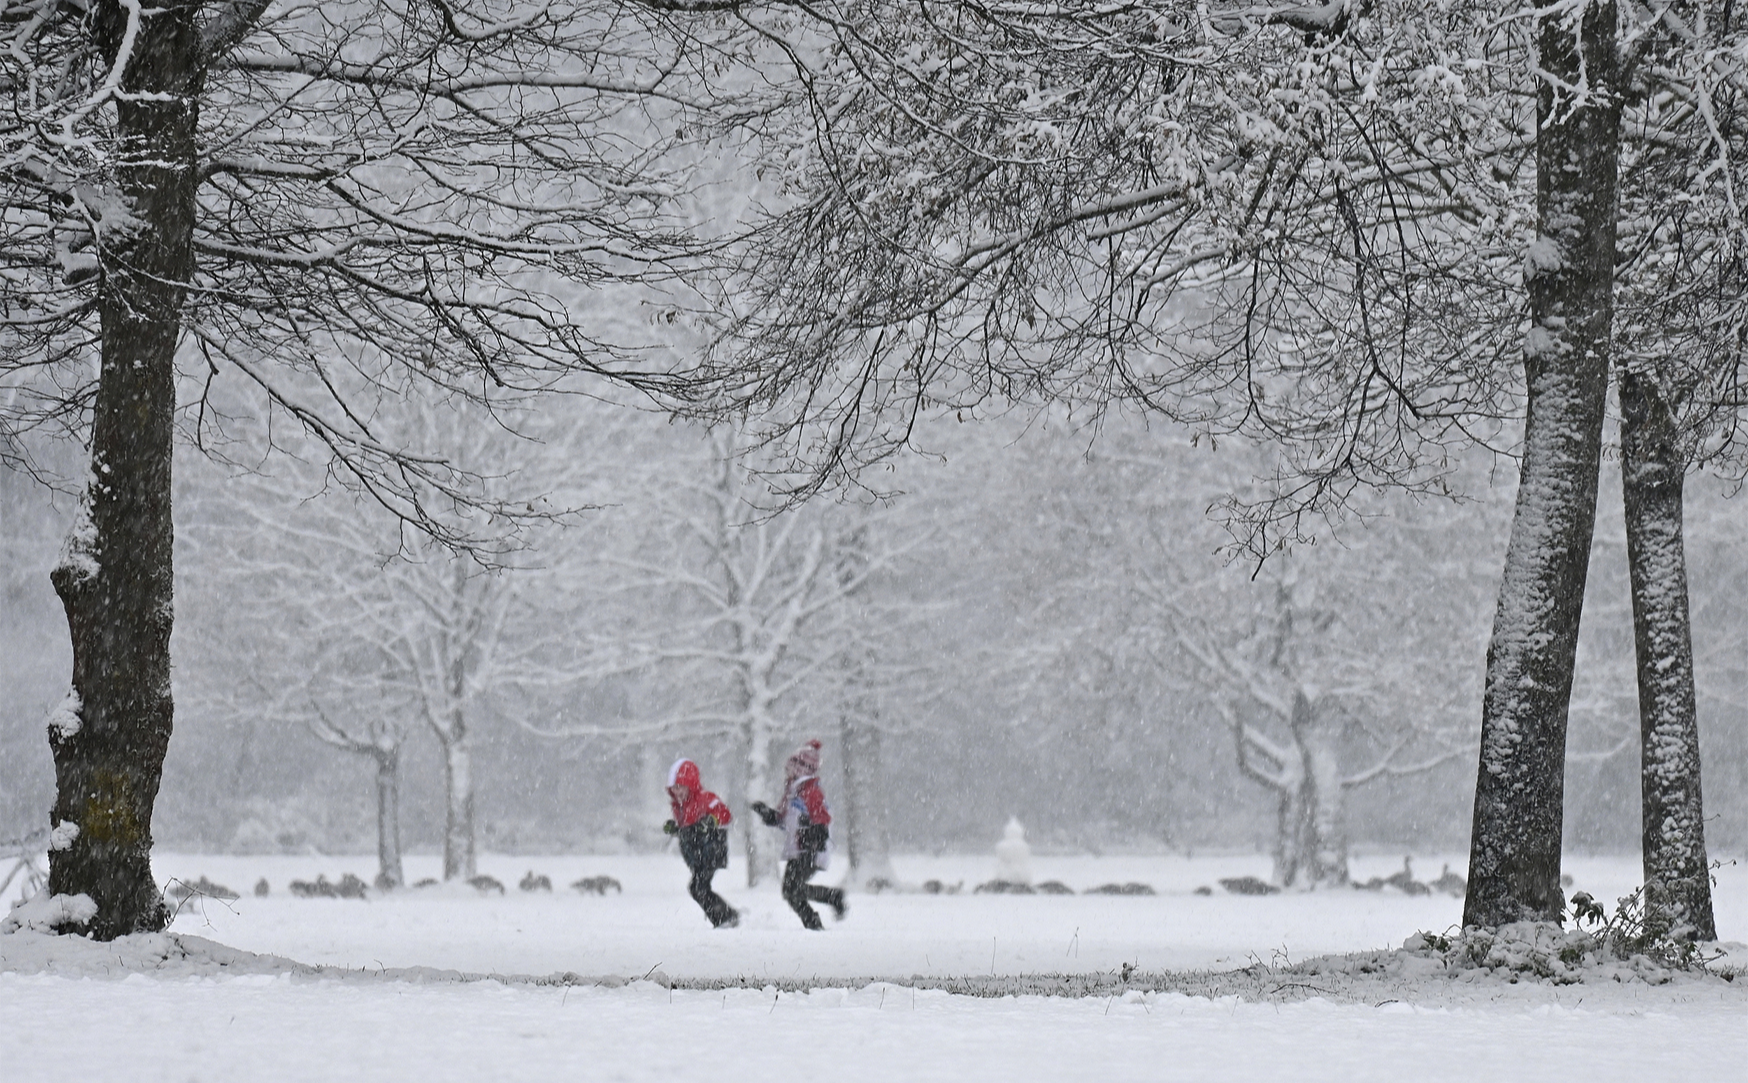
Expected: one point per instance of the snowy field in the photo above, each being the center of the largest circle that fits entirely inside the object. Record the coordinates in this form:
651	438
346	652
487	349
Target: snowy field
653	923
94	1014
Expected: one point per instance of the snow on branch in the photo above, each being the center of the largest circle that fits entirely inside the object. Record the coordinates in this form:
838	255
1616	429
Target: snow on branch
405	483
1283	770
482	196
534	13
227	23
373	76
1049	202
1388	764
1325	19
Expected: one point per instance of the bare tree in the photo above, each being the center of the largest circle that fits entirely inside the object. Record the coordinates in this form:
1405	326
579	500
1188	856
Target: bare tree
380	738
1514	859
400	629
759	615
336	207
300	564
1264	220
1304	224
1680	267
1331	667
1651	97
1340	665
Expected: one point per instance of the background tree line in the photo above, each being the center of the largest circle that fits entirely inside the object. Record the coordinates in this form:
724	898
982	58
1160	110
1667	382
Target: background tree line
1039	674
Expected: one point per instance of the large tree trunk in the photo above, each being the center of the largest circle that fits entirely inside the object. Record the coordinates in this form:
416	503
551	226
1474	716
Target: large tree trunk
117	581
389	873
1514	863
1652	476
459	859
867	845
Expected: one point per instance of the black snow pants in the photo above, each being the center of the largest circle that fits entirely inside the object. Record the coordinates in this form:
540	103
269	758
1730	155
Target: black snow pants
716	908
704	848
797	892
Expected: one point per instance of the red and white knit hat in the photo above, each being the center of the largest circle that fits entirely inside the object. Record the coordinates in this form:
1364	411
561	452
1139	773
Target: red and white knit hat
804	760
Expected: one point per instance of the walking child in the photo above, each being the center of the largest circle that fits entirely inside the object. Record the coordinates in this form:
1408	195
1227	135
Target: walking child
701	821
806	822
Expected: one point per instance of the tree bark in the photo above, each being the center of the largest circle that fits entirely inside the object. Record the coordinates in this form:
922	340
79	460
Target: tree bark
117	579
1514	858
1653	473
1289	856
388	819
459	859
1284	775
758	788
1324	849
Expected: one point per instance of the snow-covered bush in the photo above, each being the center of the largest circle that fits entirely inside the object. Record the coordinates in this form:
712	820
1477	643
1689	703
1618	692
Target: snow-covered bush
45	913
1529	948
1639	940
1643	925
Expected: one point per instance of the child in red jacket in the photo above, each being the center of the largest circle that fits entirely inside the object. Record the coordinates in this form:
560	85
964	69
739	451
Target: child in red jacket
701	822
806	821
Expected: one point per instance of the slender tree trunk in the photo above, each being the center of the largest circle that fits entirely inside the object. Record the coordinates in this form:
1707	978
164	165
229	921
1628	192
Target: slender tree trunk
758	775
1653	473
1514	858
117	580
866	842
459	859
388	819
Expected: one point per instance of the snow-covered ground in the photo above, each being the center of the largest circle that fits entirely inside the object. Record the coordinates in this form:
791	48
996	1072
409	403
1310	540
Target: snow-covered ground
653	923
145	1011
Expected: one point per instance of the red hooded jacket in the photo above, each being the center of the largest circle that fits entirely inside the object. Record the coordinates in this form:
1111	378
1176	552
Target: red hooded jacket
700	803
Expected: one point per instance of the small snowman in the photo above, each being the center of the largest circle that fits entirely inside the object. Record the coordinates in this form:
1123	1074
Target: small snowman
1013	858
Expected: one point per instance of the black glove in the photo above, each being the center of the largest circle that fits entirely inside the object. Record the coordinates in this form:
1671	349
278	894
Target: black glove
670	828
813	837
767	814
